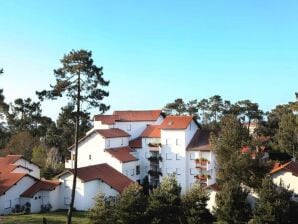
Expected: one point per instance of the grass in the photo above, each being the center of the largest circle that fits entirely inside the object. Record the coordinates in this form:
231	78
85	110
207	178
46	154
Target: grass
52	218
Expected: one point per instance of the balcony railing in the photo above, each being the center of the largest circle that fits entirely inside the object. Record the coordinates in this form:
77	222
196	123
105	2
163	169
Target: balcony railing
155	158
202	163
155	173
154	145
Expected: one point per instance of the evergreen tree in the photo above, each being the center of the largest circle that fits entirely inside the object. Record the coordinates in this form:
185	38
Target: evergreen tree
39	155
79	79
165	202
103	210
231	205
177	107
287	134
131	205
216	106
273	205
194	205
203	106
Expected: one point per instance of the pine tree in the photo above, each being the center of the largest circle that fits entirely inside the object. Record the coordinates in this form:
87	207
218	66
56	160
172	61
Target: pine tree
273	205
194	205
79	79
165	202
231	205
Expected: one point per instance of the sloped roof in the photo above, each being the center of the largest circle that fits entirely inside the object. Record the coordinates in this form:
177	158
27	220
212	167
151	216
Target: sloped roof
112	133
200	141
7	163
138	115
122	154
151	131
290	167
136	143
177	122
106	119
8	180
105	173
42	185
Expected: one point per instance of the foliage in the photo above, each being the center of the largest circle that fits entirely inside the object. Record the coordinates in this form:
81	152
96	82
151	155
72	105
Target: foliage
103	211
194	205
22	143
165	199
231	205
287	134
273	205
39	155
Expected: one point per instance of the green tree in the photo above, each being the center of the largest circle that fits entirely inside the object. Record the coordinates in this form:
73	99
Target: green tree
194	204
177	107
287	134
131	205
22	143
103	210
203	106
273	205
4	132
165	202
191	108
231	205
79	79
39	155
215	106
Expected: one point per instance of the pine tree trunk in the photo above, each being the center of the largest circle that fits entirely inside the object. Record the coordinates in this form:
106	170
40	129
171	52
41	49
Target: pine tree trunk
70	210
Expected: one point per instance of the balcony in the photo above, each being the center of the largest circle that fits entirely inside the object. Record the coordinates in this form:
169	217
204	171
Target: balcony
155	173
155	158
69	164
203	178
154	146
202	163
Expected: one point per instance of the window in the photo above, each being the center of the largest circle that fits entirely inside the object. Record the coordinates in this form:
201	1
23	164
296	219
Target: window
192	156
192	171
108	143
89	157
167	141
121	141
168	156
137	170
178	157
128	127
7	204
132	172
177	141
178	171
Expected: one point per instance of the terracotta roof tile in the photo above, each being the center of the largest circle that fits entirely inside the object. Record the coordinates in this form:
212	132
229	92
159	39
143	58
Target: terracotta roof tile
138	115
136	143
123	154
105	173
42	185
106	119
112	133
290	167
200	141
9	180
176	122
151	131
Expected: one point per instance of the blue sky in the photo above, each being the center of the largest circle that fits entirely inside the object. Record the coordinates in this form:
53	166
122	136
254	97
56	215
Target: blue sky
155	51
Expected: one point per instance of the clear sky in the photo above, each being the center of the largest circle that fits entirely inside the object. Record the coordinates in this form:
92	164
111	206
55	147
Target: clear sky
155	51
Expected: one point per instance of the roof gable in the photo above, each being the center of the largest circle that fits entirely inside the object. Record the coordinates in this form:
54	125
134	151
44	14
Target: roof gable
200	141
42	185
177	122
151	131
122	154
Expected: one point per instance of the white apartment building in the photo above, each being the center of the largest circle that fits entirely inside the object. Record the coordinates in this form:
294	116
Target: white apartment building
147	143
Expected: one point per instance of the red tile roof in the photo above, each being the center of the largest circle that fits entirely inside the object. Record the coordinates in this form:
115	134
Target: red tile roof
151	131
106	119
8	160
200	141
112	133
136	143
176	122
290	167
123	154
42	185
105	173
9	180
138	115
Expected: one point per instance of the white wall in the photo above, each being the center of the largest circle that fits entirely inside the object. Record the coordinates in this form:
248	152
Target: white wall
13	194
288	179
35	169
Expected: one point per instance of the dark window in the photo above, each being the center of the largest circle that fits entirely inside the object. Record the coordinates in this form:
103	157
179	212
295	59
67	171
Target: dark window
137	170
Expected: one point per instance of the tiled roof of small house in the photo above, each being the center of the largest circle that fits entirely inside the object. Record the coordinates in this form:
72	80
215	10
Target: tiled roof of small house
8	180
290	167
177	122
106	119
123	154
42	185
112	133
136	143
151	131
200	141
105	173
138	115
